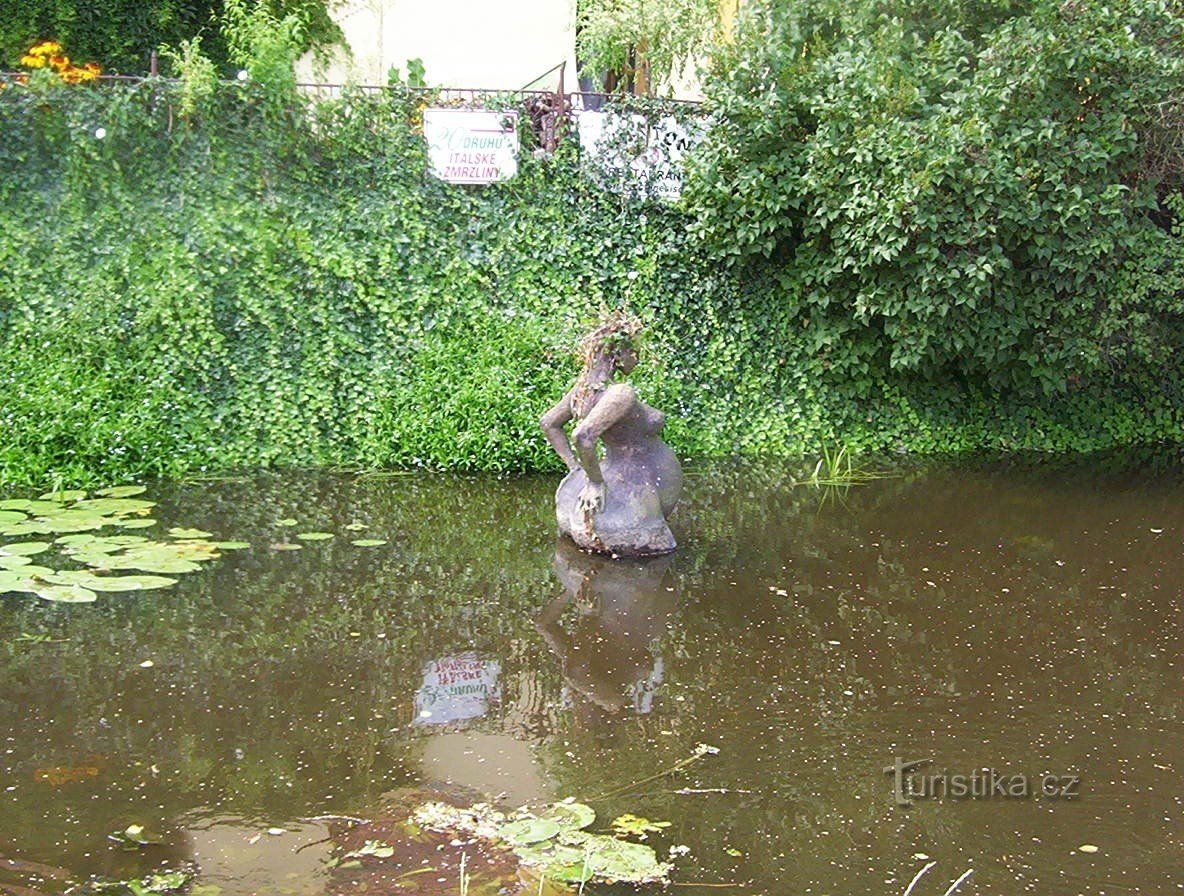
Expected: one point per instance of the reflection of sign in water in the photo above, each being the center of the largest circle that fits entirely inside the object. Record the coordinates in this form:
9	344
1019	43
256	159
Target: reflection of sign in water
471	147
456	688
631	154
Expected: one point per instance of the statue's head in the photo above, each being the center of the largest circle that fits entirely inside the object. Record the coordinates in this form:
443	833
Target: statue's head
615	339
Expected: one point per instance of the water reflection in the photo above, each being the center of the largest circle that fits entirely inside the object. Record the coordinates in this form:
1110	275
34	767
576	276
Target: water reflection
610	651
1022	620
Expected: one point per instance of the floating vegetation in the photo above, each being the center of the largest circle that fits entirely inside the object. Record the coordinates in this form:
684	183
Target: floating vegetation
77	523
315	536
555	842
368	542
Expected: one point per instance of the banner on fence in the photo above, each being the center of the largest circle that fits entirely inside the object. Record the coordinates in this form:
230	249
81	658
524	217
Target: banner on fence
467	146
629	154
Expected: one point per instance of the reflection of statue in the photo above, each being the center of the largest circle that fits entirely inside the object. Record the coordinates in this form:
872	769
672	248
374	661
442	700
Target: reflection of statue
618	505
610	659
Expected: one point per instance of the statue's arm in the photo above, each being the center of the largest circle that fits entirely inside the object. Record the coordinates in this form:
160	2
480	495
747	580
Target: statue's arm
615	404
552	423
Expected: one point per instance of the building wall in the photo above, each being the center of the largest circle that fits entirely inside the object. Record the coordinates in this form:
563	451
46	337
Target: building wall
498	44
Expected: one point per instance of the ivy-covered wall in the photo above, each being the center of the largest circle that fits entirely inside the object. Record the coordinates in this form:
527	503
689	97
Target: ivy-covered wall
231	281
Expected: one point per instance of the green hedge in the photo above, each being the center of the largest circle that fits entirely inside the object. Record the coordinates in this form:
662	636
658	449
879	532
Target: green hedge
256	284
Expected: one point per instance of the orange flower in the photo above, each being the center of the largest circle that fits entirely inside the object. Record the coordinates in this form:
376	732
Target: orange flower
59	63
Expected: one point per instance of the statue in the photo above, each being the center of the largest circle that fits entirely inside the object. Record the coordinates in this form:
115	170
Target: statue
617	505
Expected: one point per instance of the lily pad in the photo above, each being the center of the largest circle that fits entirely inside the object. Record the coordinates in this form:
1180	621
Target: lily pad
528	830
286	522
619	860
29	506
177	532
571	815
231	545
287	546
87	579
356	527
11	516
11	580
76	539
122	491
115	505
14	562
65	594
369	542
315	536
25	548
64	497
135	524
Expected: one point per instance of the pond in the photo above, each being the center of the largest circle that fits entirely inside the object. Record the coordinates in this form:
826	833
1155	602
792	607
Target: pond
1016	625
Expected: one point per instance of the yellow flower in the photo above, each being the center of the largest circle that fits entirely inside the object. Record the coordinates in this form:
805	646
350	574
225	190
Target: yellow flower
59	63
31	61
46	48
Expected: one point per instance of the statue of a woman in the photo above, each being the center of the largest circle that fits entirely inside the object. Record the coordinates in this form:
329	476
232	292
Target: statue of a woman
618	504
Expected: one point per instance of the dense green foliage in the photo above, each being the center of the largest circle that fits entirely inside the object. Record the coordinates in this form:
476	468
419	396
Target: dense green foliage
203	276
121	34
953	188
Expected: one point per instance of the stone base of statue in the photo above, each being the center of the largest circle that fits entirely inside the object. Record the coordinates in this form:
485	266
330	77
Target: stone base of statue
641	488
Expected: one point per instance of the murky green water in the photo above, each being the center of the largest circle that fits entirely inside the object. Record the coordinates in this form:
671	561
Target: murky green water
1023	621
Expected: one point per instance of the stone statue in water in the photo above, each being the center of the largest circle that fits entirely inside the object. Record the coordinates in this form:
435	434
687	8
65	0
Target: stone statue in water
618	504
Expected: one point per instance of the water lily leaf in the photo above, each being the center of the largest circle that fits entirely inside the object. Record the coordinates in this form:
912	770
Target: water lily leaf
287	546
30	506
620	860
17	530
556	862
135	524
356	527
177	532
67	521
25	548
12	516
286	522
165	565
122	491
571	815
124	540
115	505
231	545
528	830
94	582
368	542
11	581
315	536
78	539
64	496
14	562
65	594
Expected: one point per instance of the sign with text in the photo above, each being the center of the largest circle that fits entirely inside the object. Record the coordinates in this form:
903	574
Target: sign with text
456	688
631	155
471	147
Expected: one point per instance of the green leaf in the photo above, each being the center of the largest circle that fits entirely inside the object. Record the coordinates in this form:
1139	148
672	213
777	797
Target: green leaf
528	830
315	536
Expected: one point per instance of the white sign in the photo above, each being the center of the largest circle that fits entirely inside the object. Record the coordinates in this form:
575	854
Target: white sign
456	688
630	155
471	147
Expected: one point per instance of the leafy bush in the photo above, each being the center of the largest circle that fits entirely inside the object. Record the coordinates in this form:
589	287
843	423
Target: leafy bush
202	280
947	188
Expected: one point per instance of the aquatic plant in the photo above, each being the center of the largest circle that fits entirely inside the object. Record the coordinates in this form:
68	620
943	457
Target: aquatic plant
78	522
554	842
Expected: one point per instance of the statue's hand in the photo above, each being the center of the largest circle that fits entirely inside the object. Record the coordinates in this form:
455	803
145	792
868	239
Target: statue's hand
591	499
